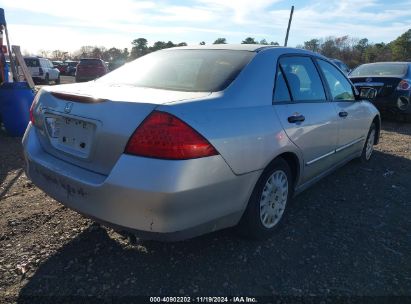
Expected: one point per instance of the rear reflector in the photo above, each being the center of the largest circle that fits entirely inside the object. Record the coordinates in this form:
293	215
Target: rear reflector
77	98
162	135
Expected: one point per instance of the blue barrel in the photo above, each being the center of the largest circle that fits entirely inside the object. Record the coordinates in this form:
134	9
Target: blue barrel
15	101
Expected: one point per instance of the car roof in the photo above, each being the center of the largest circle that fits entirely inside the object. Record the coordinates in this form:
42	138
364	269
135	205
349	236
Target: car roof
234	47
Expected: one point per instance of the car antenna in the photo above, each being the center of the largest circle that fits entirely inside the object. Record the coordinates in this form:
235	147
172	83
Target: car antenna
289	25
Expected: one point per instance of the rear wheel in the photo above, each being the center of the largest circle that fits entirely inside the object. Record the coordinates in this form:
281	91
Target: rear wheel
58	79
47	79
369	144
267	204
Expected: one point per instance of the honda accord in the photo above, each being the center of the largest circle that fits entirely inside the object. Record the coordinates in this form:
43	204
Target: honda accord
189	140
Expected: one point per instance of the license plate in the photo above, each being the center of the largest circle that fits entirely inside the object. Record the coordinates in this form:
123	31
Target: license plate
71	135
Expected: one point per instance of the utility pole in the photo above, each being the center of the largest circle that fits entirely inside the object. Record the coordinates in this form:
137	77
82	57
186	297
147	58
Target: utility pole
4	25
289	25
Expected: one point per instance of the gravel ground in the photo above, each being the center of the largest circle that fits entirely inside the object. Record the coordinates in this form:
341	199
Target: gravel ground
348	235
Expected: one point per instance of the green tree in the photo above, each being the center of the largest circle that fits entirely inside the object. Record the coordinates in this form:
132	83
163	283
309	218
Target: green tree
401	47
312	45
263	41
249	40
139	48
202	43
220	41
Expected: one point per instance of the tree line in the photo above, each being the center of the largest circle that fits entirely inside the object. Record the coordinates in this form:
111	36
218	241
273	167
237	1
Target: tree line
357	51
352	51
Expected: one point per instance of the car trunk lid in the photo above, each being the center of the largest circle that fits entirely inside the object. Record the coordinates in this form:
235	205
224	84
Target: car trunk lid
90	125
385	86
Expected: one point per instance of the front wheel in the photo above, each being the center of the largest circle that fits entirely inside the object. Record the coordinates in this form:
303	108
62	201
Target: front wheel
267	204
369	144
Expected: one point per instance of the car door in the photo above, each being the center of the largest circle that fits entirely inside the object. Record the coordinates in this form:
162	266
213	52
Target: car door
352	128
308	118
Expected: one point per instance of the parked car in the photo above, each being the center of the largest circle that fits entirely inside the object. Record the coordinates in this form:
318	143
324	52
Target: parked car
57	63
343	67
71	67
197	141
61	66
392	80
90	69
42	70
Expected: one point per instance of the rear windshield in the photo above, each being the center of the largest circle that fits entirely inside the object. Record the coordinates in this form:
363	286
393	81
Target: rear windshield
90	61
182	70
380	69
32	62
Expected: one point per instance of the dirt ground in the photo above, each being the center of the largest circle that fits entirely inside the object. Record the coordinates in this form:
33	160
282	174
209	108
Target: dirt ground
349	235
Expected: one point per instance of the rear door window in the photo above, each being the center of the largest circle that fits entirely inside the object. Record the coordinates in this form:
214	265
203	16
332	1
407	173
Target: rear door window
303	78
340	87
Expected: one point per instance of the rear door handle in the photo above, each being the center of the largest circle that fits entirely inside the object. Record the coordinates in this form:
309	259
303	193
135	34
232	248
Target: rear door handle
343	114
296	118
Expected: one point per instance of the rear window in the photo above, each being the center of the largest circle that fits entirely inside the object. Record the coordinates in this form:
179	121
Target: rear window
90	61
380	69
182	70
32	62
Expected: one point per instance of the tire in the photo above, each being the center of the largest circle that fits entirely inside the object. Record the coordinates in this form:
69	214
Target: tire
369	144
47	79
58	79
267	207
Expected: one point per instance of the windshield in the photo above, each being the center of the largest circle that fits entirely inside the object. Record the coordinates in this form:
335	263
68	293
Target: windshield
182	70
380	69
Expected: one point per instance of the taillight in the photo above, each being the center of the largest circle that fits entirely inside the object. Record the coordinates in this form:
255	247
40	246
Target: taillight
41	72
404	85
33	106
31	113
162	135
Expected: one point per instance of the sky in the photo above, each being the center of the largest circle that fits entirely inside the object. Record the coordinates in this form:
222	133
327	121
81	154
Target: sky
67	25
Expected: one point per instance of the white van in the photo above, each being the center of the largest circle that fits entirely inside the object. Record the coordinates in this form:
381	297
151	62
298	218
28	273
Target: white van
42	70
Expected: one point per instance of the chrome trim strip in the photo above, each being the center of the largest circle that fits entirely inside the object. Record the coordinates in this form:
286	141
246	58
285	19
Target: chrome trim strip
369	84
349	144
319	158
335	151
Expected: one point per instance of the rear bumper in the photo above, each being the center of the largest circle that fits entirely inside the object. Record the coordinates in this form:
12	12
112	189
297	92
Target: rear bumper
395	103
157	199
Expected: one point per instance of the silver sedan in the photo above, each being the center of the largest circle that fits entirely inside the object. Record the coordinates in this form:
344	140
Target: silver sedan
189	140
